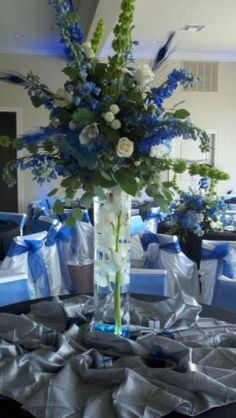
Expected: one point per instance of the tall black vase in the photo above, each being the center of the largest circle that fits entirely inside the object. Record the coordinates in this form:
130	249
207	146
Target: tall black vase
191	245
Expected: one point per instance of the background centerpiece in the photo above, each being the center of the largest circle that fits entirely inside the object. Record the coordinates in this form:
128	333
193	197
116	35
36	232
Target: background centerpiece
108	134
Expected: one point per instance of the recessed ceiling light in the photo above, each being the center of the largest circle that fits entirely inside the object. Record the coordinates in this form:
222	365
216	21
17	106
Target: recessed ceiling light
193	28
20	35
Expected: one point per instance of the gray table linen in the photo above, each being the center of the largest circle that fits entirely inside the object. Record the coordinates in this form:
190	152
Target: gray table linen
57	367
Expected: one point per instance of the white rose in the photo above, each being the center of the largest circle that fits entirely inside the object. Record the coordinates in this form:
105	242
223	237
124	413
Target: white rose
115	124
125	147
88	133
159	151
109	117
114	109
144	75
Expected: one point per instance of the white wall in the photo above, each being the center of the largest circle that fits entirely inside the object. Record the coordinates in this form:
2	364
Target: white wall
49	70
216	111
211	111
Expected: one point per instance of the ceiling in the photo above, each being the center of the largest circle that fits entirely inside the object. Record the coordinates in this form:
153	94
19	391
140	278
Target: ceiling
33	20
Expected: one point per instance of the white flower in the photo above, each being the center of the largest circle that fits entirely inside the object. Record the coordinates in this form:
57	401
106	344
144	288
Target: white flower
89	132
216	225
125	147
88	50
159	151
116	124
63	98
55	123
109	117
137	163
72	125
144	75
114	109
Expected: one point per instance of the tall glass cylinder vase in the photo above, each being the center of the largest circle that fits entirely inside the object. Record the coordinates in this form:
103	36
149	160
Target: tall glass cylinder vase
112	262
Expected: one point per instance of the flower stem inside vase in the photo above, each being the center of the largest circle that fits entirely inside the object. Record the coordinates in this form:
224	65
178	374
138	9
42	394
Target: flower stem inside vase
112	262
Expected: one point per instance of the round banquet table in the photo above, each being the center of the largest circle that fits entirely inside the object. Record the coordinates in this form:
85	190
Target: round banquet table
8	230
9	408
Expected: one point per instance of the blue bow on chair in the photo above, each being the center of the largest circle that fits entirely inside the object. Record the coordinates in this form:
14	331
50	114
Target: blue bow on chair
59	238
36	263
219	252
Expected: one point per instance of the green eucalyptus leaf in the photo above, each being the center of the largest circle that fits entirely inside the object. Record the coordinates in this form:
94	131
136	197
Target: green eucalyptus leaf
52	192
167	184
48	146
161	201
126	181
181	114
64	117
17	144
151	190
86	200
58	207
37	101
98	191
71	221
101	181
4	141
32	148
167	194
77	214
84	116
71	72
105	175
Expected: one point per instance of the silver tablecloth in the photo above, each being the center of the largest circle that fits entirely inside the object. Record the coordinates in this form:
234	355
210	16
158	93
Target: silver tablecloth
56	367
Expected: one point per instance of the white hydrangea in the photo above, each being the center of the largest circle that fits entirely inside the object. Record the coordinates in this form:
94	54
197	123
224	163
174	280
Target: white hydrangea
109	117
114	109
116	124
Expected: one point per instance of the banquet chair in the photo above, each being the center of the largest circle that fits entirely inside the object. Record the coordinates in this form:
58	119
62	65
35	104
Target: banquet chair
14	287
57	247
182	272
225	293
217	258
148	281
19	218
26	254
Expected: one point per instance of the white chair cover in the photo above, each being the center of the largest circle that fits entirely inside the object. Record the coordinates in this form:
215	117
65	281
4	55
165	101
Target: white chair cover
81	250
218	257
182	272
56	248
26	255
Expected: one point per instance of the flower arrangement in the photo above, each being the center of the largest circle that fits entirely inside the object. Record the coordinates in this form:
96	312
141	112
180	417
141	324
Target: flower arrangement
107	125
197	211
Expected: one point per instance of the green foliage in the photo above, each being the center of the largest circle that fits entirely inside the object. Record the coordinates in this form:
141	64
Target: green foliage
98	34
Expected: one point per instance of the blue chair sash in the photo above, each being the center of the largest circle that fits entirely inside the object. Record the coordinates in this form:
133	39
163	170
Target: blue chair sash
35	261
58	238
219	252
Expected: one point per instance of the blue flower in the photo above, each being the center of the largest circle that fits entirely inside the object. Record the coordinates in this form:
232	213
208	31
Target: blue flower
189	219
